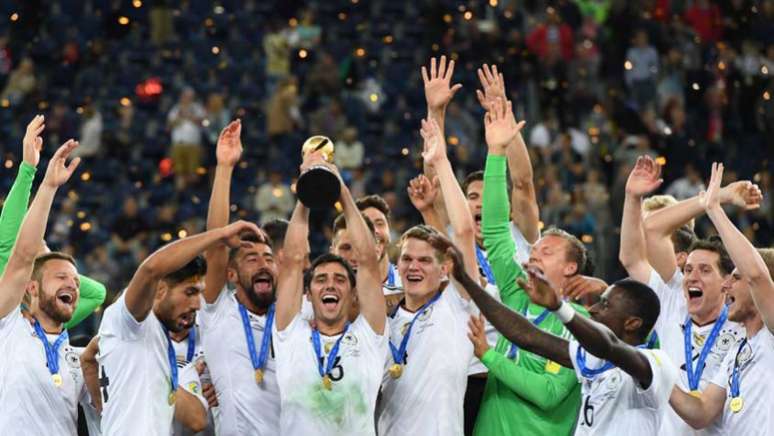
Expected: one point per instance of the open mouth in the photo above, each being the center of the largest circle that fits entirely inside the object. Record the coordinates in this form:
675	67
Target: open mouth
187	319
477	219
329	301
414	278
694	292
262	282
730	300
66	297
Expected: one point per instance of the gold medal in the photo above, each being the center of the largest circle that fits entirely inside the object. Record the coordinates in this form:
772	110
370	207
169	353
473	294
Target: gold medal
736	404
259	376
696	393
57	379
395	370
171	398
327	347
326	382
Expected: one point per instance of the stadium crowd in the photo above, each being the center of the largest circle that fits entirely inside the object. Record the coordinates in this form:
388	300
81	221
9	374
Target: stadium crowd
191	114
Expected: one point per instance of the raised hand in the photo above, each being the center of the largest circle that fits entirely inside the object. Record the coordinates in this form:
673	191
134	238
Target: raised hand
644	178
438	91
742	193
230	234
499	124
579	286
229	147
493	84
477	335
422	192
33	143
435	144
58	172
539	291
710	199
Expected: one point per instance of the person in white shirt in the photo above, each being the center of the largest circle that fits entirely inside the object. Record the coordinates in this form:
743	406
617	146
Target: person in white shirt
624	386
329	370
236	317
692	302
741	394
431	354
185	122
142	388
40	375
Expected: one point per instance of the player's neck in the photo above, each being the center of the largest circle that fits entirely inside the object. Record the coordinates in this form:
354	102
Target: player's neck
244	300
332	328
753	325
702	319
412	303
49	325
179	336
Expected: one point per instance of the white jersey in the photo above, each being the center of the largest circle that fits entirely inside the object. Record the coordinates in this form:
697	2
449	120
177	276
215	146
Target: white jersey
348	408
427	398
30	402
614	404
669	328
181	355
135	377
756	388
245	407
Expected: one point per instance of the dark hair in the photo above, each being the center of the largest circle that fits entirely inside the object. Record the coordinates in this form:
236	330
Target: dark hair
248	237
40	261
642	302
683	238
715	245
195	268
576	251
276	229
375	201
475	176
322	260
428	234
340	223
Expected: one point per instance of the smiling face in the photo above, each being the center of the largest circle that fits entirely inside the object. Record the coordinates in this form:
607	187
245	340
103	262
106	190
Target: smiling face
54	289
420	269
549	255
253	272
741	306
703	284
474	195
331	293
176	305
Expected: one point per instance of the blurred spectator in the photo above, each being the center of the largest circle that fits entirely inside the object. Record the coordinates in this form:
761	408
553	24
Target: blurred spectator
328	120
21	83
552	36
641	69
349	150
277	49
283	115
60	123
217	117
90	137
161	24
274	199
705	19
185	120
689	185
323	78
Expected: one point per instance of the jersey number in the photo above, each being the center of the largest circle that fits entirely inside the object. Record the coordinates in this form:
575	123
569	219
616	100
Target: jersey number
104	382
588	412
337	372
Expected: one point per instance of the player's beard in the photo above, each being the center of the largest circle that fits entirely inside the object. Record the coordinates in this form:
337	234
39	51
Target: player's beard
48	305
261	301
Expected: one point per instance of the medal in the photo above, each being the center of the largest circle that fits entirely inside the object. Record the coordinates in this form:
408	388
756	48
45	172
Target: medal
57	379
172	359
259	376
257	359
326	382
52	352
396	370
171	398
736	404
695	393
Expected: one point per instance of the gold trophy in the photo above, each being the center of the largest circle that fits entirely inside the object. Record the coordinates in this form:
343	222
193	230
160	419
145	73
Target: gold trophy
318	187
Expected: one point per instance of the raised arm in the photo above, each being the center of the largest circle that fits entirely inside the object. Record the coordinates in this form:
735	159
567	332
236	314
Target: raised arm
748	261
460	218
512	325
168	259
594	337
369	282
90	370
290	283
643	180
524	207
423	193
228	151
19	268
699	412
660	225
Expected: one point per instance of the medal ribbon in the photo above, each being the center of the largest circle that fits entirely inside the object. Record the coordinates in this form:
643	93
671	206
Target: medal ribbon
172	361
399	354
391	276
331	356
191	344
536	322
580	358
735	372
52	351
694	375
483	263
258	360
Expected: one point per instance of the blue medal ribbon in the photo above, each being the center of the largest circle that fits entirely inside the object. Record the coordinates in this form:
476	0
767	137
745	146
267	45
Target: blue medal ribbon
694	375
258	360
735	373
52	351
483	263
580	358
172	357
399	354
391	276
331	359
536	322
191	344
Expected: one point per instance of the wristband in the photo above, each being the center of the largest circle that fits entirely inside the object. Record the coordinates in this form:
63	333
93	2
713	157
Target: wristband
565	313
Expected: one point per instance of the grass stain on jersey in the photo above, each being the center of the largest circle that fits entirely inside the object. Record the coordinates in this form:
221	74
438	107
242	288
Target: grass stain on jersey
342	407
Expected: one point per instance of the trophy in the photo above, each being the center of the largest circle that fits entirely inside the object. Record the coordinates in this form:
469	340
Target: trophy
318	187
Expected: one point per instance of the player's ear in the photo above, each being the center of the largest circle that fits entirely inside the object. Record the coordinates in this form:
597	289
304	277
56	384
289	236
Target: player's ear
162	287
632	324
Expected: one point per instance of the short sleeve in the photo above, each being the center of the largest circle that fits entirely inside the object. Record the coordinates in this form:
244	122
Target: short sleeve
723	373
191	383
523	247
664	378
672	301
7	324
119	322
457	303
212	313
572	348
282	337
